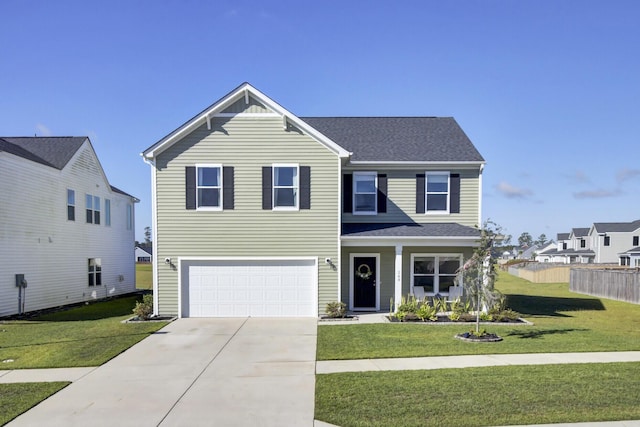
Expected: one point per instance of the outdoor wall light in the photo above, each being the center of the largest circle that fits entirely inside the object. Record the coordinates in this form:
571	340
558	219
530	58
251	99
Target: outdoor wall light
167	261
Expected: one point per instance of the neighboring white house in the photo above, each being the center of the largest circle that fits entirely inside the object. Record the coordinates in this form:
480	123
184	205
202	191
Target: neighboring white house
143	254
63	228
611	240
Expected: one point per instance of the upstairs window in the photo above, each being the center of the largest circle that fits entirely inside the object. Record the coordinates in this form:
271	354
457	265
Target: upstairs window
285	187
607	240
71	205
635	241
365	190
93	209
437	194
129	217
95	272
209	187
107	212
583	243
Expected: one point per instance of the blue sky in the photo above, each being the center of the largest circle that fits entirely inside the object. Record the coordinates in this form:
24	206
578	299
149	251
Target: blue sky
548	91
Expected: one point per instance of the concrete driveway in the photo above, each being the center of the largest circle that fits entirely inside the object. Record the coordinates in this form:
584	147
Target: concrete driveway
197	372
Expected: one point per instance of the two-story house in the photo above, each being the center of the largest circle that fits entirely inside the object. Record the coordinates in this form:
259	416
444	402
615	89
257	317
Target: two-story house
612	240
258	212
65	232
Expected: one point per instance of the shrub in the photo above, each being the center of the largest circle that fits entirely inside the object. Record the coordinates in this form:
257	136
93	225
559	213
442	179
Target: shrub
144	308
506	316
426	312
336	309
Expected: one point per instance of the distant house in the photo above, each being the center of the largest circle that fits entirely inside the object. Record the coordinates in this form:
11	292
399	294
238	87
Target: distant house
65	232
603	243
612	240
144	253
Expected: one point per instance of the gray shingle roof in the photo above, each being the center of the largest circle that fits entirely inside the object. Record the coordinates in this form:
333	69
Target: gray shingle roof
406	139
580	232
408	230
616	227
631	251
49	151
563	236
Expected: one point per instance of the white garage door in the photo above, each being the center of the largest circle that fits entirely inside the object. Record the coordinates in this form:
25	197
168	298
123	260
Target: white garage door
238	288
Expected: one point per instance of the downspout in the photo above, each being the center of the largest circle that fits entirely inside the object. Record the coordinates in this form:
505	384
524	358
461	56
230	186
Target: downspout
154	233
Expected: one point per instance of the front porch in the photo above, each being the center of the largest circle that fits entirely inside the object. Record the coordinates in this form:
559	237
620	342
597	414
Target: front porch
383	262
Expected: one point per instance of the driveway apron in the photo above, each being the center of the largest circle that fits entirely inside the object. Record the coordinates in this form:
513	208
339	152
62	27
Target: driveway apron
197	372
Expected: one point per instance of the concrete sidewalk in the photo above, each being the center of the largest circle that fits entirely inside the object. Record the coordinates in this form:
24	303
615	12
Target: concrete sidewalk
444	362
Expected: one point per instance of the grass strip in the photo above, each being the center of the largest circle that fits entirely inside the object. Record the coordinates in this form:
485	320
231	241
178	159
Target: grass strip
17	398
481	396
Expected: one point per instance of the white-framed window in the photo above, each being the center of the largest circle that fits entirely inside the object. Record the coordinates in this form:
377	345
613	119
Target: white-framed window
437	192
129	216
209	187
107	212
365	193
435	273
92	209
71	205
285	187
95	272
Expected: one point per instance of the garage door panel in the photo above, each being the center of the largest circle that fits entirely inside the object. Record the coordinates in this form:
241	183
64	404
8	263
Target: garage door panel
238	288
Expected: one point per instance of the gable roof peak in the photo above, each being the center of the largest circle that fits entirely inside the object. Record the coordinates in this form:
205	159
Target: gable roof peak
52	151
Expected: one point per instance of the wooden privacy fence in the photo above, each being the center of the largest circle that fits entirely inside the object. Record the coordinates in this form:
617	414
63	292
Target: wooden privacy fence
621	285
542	272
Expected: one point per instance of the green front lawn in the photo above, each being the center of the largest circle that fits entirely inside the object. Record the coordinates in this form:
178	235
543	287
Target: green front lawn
480	396
18	398
144	276
564	322
87	335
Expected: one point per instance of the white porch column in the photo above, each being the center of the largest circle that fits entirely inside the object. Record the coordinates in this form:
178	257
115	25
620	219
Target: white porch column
397	295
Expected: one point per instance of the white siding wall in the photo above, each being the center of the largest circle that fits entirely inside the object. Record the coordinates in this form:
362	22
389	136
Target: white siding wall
37	240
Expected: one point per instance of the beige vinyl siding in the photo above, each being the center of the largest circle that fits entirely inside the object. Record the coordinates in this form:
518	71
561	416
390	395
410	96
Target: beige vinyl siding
247	144
253	107
401	200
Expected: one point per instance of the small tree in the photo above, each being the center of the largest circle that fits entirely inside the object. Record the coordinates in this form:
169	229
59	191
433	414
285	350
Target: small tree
147	235
478	274
525	239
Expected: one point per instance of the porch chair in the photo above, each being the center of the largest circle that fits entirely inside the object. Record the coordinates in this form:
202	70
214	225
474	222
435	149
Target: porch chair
418	292
455	292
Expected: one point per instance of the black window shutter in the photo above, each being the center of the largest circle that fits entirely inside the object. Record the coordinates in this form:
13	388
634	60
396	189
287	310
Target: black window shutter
190	180
227	188
420	193
382	193
347	193
454	195
305	187
267	190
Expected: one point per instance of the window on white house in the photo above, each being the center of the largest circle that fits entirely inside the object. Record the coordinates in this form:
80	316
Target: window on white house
107	212
583	243
129	217
95	272
607	240
209	187
93	209
437	192
635	241
365	190
435	273
71	205
285	186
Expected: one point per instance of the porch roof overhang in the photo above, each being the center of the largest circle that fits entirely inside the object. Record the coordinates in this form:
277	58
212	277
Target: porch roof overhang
385	234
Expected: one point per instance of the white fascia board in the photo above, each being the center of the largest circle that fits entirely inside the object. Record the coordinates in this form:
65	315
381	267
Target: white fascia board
410	241
248	258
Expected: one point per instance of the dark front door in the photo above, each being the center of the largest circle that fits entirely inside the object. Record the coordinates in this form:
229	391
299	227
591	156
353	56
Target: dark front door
364	282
